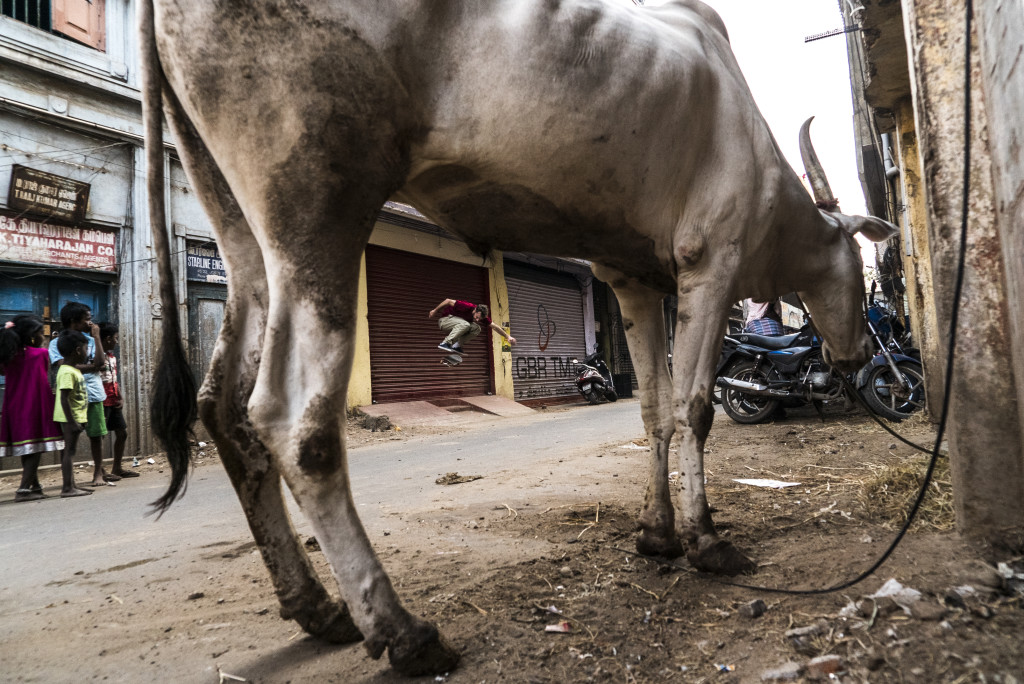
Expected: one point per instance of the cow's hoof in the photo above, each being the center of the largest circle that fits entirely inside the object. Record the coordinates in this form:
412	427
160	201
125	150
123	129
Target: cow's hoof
719	557
650	544
325	619
336	629
422	651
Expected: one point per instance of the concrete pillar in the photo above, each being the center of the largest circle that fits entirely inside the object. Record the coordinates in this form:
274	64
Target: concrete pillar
1001	42
140	333
984	429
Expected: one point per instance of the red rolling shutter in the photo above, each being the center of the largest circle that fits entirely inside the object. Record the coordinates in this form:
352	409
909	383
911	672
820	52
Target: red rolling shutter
405	363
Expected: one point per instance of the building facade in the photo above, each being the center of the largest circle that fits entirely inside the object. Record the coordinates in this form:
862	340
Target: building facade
74	227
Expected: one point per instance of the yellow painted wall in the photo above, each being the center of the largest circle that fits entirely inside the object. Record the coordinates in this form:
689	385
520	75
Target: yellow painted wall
359	382
499	314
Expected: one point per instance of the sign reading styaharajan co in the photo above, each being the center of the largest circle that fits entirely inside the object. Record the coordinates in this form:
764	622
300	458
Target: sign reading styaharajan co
46	194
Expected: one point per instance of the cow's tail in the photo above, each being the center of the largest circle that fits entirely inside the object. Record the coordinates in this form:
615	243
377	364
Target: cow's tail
173	408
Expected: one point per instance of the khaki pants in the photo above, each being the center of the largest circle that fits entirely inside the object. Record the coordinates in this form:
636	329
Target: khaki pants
459	330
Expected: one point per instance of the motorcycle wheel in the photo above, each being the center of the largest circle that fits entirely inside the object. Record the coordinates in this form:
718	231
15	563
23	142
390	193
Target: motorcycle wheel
744	408
610	395
592	396
885	396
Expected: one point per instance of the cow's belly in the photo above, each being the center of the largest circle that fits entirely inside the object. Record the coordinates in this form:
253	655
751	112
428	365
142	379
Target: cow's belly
513	216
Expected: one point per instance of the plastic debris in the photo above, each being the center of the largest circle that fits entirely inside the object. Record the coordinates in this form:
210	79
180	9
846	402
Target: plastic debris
151	461
785	672
725	668
770	484
135	462
561	628
903	596
202	444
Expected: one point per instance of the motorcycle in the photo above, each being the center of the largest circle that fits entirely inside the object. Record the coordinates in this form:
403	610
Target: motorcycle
758	374
892	382
593	379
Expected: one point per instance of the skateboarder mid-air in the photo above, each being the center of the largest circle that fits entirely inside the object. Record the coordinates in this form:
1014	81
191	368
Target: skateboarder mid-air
463	321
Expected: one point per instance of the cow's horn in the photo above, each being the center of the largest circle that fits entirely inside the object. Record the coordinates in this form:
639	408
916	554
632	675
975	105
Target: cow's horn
815	173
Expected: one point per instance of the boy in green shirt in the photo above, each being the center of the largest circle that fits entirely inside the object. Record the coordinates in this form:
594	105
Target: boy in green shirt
69	411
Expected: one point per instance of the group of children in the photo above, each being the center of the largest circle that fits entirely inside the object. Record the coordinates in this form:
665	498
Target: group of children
39	417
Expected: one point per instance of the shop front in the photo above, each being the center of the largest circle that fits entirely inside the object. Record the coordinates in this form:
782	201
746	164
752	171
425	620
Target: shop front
548	311
51	257
405	363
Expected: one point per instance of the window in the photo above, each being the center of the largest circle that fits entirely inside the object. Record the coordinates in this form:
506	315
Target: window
80	20
32	12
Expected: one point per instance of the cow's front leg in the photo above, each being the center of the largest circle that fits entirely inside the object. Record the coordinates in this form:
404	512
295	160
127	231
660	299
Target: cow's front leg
226	391
644	323
700	324
298	409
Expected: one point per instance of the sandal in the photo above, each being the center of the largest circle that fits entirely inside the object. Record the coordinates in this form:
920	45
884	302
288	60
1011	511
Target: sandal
27	495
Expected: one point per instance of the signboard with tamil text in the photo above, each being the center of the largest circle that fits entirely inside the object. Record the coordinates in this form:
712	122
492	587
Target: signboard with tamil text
47	194
54	244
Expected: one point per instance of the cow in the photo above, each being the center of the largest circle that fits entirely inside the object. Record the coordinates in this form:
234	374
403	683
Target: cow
577	128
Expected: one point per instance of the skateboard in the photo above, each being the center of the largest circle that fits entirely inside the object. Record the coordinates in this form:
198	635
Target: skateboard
453	359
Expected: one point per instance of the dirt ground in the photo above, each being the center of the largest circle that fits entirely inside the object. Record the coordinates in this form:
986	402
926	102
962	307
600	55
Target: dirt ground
498	577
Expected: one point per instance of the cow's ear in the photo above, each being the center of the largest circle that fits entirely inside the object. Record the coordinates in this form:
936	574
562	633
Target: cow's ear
872	227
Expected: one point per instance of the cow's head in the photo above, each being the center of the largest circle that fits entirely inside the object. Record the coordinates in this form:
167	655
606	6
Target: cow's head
837	303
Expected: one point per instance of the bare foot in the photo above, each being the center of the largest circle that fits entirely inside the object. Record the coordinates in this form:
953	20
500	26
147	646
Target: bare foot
100	483
75	492
28	495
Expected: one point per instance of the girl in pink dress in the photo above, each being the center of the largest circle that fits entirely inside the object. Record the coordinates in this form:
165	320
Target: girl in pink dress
26	422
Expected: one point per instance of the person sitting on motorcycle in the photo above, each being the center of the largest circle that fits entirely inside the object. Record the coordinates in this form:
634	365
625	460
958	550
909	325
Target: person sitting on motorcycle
763	318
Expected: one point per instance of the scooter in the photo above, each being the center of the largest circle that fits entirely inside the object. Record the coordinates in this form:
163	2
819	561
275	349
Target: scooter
593	379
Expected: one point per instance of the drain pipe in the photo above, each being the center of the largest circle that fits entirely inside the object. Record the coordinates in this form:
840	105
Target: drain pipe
891	170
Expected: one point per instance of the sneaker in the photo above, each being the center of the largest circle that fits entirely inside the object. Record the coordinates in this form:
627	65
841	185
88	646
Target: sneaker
447	347
457	347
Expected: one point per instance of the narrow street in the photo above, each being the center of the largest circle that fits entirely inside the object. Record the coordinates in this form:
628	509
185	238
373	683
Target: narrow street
51	548
59	537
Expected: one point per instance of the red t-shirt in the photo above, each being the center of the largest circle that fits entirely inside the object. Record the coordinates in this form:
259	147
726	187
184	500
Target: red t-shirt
463	310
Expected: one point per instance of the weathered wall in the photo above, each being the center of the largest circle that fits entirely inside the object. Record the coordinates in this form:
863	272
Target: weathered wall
917	257
984	428
1001	39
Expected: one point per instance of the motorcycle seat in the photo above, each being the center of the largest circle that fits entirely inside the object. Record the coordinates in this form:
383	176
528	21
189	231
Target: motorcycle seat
767	341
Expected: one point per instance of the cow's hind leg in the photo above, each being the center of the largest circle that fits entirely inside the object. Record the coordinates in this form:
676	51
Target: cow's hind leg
298	405
700	322
644	323
226	392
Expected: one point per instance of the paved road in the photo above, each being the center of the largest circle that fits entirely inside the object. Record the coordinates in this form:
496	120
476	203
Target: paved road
49	541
